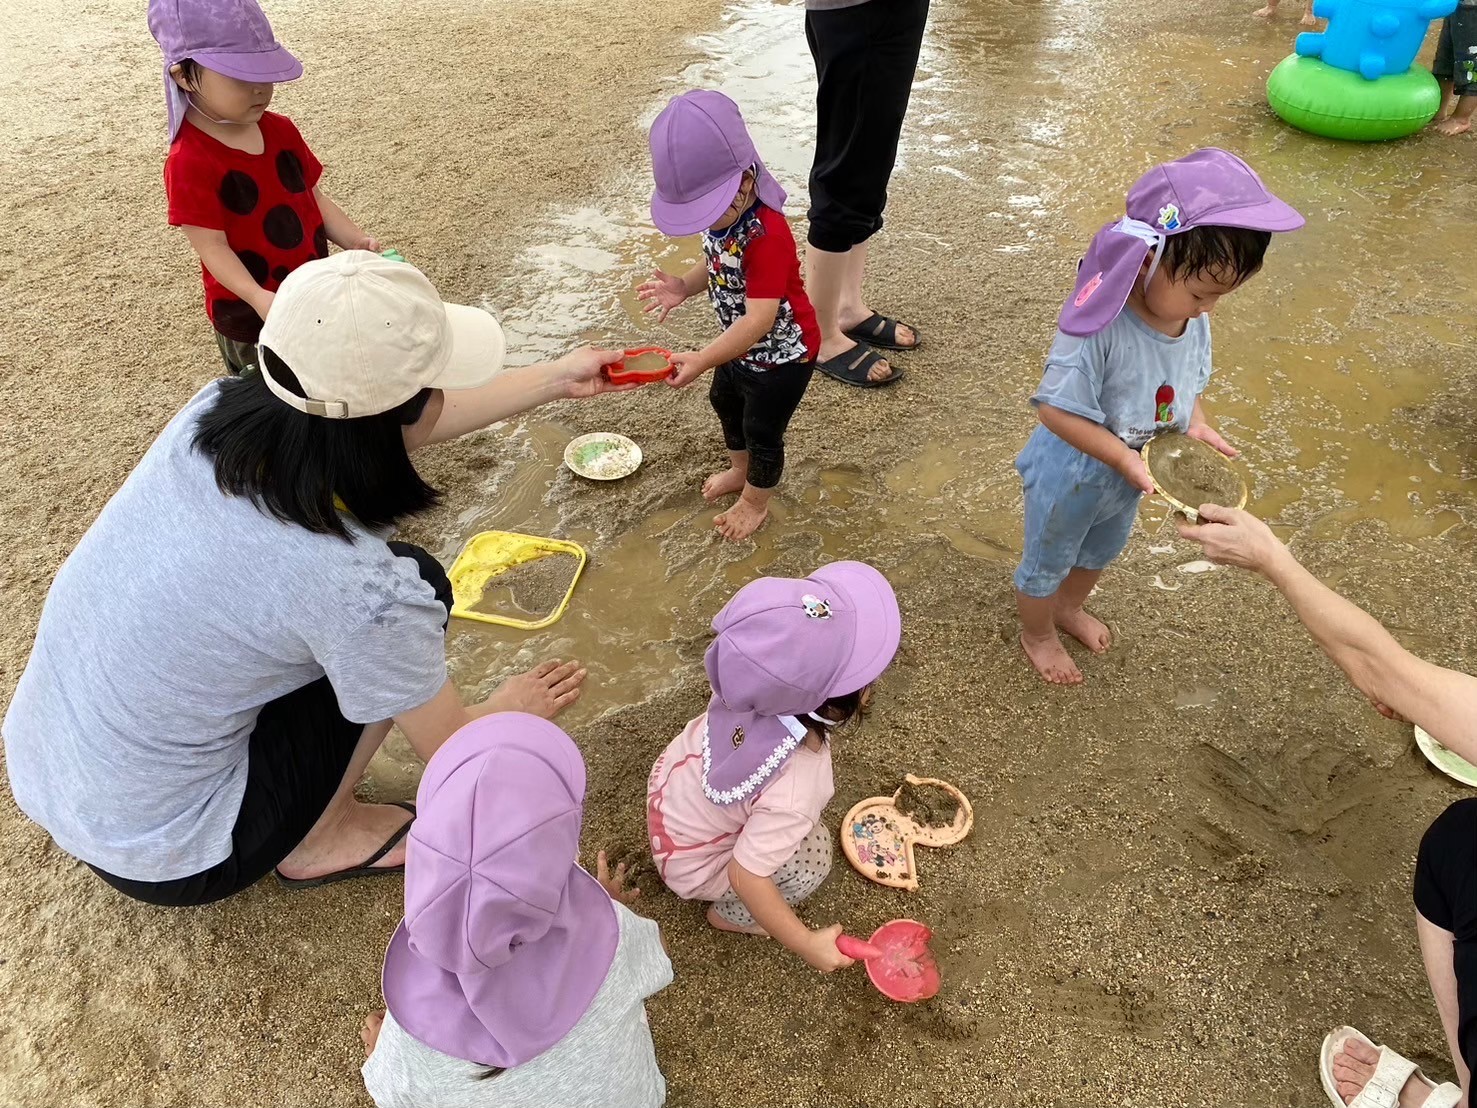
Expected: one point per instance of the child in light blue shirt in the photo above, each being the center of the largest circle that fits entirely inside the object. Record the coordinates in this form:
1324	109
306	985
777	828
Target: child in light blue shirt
1130	361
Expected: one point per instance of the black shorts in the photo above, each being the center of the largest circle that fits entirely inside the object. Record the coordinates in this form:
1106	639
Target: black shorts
1456	50
1446	895
297	756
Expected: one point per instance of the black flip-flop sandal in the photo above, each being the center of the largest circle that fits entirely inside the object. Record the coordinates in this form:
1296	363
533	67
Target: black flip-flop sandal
880	331
852	368
365	869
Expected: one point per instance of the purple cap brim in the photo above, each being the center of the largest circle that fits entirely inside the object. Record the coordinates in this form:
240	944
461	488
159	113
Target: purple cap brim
1271	214
258	66
690	217
1105	277
878	622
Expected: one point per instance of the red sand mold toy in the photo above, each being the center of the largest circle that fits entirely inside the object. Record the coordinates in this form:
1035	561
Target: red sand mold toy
617	373
898	960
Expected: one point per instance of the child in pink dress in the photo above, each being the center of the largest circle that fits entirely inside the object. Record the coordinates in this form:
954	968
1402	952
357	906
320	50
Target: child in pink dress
734	804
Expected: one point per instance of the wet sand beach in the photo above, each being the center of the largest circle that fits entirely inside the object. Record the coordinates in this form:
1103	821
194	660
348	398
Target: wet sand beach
1182	873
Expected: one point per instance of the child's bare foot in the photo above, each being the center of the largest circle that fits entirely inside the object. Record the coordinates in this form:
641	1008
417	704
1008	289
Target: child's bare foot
1354	1065
743	519
1087	629
1309	19
1266	13
1455	125
1051	660
723	925
721	484
369	1034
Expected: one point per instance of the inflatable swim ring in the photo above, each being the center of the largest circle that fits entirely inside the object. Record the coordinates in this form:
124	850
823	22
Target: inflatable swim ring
1314	96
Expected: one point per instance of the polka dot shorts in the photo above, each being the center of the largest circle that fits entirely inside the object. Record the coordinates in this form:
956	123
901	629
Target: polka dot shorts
796	879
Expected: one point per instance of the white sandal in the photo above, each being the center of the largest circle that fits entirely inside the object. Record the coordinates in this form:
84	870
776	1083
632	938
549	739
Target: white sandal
1390	1076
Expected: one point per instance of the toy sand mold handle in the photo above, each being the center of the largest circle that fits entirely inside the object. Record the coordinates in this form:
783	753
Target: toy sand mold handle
955	832
858	949
617	373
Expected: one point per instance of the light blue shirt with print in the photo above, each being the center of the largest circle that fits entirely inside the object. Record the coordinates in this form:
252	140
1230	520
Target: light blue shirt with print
1135	381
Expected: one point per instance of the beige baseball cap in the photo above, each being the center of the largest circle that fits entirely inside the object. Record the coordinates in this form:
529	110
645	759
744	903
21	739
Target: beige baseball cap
364	334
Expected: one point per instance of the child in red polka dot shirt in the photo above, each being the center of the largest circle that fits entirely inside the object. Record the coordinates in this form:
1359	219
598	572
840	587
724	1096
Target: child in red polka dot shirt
239	179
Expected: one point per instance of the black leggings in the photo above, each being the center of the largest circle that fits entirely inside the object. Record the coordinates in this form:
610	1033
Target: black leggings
755	408
1446	895
865	57
299	751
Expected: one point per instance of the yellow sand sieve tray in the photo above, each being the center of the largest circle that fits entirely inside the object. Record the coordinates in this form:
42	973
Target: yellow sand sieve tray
494	552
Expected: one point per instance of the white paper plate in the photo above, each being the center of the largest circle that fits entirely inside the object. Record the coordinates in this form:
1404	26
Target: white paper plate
1453	765
603	456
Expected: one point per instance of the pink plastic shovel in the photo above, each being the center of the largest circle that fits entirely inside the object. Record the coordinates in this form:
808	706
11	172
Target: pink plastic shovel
898	960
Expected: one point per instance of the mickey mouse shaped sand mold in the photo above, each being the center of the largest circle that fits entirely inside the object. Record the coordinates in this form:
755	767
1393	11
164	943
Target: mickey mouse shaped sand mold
880	832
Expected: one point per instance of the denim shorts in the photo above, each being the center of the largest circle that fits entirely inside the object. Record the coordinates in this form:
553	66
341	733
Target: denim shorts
1079	513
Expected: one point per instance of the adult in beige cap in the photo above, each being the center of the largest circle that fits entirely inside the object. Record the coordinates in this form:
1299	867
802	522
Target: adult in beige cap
233	638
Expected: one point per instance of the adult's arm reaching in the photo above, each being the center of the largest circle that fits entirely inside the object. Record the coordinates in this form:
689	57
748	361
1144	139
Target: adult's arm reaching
513	391
1443	701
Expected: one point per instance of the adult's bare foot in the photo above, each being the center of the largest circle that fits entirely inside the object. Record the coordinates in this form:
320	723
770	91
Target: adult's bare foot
369	1034
1266	13
1454	125
722	484
1087	629
358	831
880	370
1354	1065
1309	19
906	336
741	520
1051	660
723	925
545	690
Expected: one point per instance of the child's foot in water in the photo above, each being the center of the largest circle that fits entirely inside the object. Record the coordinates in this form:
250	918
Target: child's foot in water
724	925
1266	13
1090	631
1051	660
721	484
745	517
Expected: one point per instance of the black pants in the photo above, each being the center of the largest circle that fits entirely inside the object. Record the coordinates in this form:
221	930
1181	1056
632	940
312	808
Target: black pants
1446	894
1455	60
299	751
755	408
865	58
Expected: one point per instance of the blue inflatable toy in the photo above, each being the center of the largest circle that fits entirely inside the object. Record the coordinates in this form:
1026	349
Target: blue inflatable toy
1372	38
1356	80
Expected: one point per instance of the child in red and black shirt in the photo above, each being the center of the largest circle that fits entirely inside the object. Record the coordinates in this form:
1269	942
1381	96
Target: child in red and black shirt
239	179
709	178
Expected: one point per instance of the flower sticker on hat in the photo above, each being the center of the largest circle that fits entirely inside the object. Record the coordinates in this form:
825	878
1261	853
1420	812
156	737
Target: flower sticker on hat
815	607
1169	217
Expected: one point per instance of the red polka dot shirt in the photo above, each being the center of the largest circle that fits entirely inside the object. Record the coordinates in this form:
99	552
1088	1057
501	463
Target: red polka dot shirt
263	202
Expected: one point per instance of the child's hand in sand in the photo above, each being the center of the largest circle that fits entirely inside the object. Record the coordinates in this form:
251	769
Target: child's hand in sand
689	366
819	950
369	1034
662	292
614	885
1208	434
1134	471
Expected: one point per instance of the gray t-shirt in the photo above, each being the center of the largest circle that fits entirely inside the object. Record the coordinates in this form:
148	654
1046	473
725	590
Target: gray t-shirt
1136	381
180	614
606	1059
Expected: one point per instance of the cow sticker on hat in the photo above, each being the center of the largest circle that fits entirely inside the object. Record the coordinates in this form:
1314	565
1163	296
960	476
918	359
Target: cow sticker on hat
815	607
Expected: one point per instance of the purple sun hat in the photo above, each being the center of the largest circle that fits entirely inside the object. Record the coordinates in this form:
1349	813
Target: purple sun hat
1210	187
231	37
784	646
699	151
505	940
